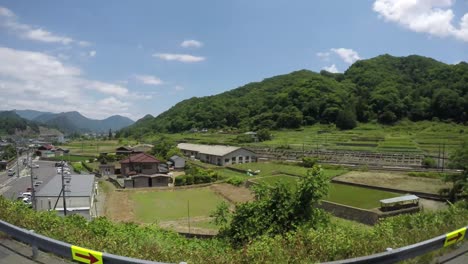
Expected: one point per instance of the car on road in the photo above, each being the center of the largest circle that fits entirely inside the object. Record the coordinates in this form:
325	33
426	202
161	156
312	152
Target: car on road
35	165
29	189
37	183
11	172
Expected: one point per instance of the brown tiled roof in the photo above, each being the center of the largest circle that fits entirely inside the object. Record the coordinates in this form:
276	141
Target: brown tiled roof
140	158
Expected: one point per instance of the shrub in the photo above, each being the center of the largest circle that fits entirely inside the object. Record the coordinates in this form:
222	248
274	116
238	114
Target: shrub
236	180
309	162
179	181
428	163
189	179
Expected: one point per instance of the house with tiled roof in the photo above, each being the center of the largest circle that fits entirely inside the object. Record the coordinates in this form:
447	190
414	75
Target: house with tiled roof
140	163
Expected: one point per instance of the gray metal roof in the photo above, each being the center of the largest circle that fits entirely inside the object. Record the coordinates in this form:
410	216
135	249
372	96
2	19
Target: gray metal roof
399	199
80	185
215	150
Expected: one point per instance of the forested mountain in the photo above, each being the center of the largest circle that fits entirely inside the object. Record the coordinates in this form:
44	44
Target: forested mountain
11	123
30	114
384	88
70	122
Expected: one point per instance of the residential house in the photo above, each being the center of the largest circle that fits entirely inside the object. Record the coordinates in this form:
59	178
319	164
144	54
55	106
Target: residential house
218	154
142	148
46	151
123	151
140	163
177	163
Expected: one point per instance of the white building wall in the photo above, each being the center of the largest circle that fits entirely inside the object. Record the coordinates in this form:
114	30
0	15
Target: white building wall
238	156
43	202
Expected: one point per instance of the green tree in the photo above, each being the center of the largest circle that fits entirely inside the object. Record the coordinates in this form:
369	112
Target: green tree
279	209
263	135
346	119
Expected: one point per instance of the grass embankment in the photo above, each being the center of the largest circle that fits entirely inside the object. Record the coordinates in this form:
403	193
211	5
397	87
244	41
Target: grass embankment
331	242
73	158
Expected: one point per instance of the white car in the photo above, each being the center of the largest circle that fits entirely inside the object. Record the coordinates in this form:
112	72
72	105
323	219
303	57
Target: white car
35	165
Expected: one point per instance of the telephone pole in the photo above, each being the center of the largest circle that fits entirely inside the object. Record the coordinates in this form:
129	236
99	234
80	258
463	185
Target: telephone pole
33	190
63	193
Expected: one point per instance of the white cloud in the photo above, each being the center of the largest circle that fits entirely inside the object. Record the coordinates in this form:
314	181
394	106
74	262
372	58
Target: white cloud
427	16
179	88
332	68
148	79
348	55
84	43
191	44
178	57
39	81
323	55
9	20
92	53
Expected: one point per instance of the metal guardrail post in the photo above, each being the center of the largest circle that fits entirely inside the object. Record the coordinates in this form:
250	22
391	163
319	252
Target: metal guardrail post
33	245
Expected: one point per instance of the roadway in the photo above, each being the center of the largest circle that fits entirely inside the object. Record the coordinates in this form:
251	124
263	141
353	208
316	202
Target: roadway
12	186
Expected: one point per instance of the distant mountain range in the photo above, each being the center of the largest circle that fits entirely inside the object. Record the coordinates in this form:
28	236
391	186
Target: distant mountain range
70	122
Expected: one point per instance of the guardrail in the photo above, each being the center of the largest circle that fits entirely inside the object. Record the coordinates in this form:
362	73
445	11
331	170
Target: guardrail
66	250
85	255
411	251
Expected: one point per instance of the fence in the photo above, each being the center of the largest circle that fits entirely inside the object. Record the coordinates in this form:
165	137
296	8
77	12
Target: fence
84	255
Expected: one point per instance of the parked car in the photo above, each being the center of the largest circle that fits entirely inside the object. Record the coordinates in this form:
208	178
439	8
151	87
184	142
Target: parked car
29	189
35	165
11	172
37	183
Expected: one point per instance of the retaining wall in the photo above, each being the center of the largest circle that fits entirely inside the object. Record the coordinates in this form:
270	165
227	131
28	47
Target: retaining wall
351	213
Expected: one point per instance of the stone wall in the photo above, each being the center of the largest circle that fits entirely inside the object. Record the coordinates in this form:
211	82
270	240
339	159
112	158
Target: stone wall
351	213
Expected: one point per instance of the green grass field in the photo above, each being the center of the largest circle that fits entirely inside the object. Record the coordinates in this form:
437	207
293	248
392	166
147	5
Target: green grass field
339	193
153	206
357	196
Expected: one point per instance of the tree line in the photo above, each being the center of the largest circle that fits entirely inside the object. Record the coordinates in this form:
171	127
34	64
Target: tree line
385	89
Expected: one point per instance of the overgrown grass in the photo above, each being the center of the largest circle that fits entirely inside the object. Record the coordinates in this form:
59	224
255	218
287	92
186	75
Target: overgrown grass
303	246
272	168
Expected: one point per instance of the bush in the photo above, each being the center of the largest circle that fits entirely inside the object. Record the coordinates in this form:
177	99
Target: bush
179	181
263	135
346	120
236	180
309	162
428	163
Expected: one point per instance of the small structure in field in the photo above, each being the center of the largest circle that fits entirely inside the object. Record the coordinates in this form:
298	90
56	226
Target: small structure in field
398	203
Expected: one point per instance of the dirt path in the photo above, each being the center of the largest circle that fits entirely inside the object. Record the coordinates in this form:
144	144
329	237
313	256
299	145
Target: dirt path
394	180
232	193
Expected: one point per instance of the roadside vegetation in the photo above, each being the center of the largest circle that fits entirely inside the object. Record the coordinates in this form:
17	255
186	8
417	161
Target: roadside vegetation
304	244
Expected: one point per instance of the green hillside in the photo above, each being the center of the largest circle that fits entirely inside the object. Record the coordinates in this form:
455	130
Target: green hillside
384	88
10	123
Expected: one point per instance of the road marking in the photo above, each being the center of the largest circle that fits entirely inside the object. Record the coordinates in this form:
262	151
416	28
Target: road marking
455	236
85	255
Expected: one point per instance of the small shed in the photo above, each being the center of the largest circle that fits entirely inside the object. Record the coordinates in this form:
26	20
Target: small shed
107	169
176	162
123	151
400	202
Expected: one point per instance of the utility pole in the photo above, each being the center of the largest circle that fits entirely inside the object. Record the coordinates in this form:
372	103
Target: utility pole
33	190
443	157
63	193
188	214
17	160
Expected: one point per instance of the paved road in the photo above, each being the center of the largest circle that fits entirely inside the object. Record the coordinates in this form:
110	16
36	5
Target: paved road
15	185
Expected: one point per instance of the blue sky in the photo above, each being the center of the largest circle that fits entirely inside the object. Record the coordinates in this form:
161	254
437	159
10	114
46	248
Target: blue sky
142	57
